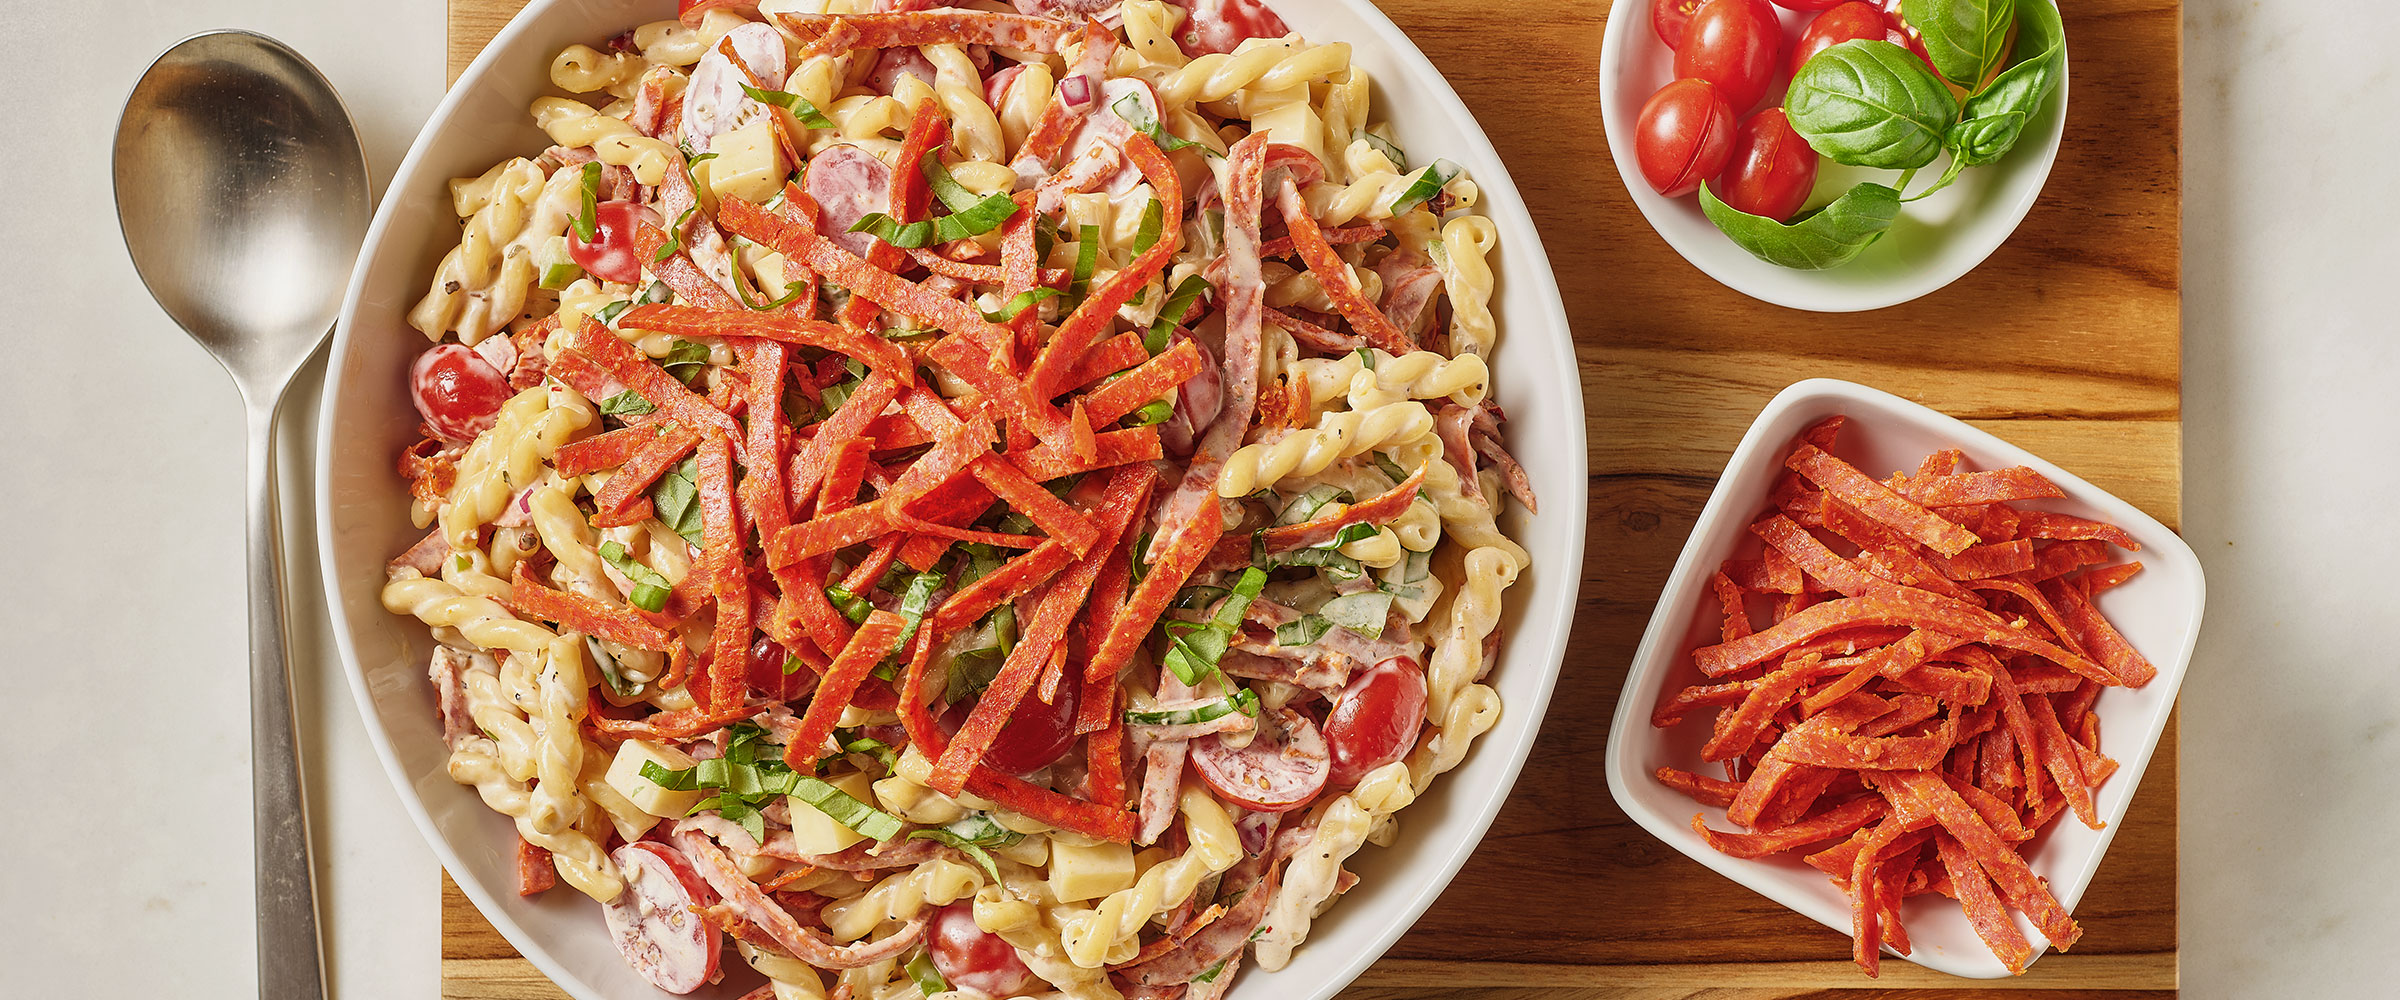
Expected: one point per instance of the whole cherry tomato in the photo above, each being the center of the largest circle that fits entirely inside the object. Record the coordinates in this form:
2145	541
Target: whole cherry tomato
1683	136
1037	734
1376	720
973	958
1772	168
456	391
610	255
1667	17
1733	44
1807	5
1853	20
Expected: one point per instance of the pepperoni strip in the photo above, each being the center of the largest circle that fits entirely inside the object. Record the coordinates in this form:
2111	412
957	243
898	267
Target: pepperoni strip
1967	488
1366	232
867	647
1243	290
687	321
1335	276
1011	483
2066	527
972	364
729	582
2018	884
619	360
765	501
1153	380
1891	606
1127	490
624	489
606	450
2092	629
1975	896
1840	821
576	612
795	236
1090	319
844	32
1174	565
681	724
1841	479
1012	580
1052	459
689	283
957	449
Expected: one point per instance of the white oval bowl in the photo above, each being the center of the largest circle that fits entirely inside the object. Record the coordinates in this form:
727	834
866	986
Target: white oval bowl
363	515
2158	611
1935	242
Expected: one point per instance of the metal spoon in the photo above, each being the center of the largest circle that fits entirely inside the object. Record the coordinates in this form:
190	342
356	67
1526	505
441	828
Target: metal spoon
242	192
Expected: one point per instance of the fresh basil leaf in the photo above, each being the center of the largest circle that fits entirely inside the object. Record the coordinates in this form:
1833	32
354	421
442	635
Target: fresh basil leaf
1146	236
1390	469
1429	182
914	603
1018	305
1153	412
608	313
799	106
1420	566
791	291
850	742
1302	631
1137	114
687	360
1385	146
649	589
1828	237
1964	38
627	403
1193	648
1214	971
1995	117
929	979
676	499
971	834
837	805
1366	358
1340	566
980	218
694	161
1209	711
1171	314
905	235
1352	533
1197	597
587	222
1870	103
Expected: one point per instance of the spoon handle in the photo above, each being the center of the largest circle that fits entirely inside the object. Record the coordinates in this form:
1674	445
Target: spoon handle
290	964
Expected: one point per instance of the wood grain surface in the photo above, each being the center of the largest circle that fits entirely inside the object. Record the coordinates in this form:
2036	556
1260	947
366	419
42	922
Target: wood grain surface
2067	341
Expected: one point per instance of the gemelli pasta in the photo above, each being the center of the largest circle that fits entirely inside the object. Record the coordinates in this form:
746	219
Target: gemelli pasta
981	502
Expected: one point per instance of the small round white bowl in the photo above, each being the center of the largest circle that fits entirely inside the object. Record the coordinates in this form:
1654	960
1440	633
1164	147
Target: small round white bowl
363	507
1935	241
2158	611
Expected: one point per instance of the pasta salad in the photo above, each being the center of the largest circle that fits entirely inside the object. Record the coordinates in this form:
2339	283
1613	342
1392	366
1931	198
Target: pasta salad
977	501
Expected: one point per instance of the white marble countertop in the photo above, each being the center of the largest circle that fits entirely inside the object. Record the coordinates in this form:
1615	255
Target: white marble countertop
122	439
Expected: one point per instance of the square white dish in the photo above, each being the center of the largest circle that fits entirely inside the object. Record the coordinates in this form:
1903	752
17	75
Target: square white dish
363	508
2158	611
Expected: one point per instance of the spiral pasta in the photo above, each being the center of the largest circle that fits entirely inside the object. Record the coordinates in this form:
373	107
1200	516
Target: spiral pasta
1259	64
1092	934
1459	708
575	124
934	883
482	620
1342	827
1415	375
1467	243
528	430
1337	435
483	283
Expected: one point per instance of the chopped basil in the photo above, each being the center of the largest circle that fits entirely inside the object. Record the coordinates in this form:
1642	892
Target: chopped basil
695	161
1146	236
791	291
851	605
1306	505
1171	314
929	979
557	277
587	222
970	835
674	236
608	313
1420	566
687	361
1242	700
1428	183
676	498
969	216
610	672
1214	971
649	589
1137	114
1018	305
1392	469
791	665
1386	147
850	743
625	404
1352	533
1087	260
658	292
915	602
1302	631
1362	613
1193	648
751	772
799	106
1366	358
1195	598
1342	567
1155	412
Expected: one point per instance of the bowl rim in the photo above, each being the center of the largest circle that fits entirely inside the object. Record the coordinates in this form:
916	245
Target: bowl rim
1630	730
1630	17
1539	649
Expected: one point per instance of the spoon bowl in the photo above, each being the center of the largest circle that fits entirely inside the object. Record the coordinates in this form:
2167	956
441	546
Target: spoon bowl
242	192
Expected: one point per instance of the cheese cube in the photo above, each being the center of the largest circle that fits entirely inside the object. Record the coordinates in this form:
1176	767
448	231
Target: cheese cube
749	163
1080	873
814	832
625	775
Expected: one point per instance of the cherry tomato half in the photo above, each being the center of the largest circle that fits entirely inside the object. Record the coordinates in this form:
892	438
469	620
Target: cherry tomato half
1376	720
456	391
1772	168
1853	20
767	658
1668	17
1733	44
1683	137
610	255
972	958
1282	768
1037	734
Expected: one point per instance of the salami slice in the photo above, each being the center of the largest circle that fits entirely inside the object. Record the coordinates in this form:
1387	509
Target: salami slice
847	183
714	103
652	920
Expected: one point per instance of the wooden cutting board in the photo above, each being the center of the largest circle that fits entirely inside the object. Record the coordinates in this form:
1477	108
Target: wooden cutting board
2067	341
